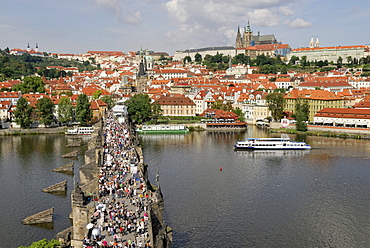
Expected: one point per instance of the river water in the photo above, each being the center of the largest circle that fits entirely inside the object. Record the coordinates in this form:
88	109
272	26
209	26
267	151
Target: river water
25	169
316	198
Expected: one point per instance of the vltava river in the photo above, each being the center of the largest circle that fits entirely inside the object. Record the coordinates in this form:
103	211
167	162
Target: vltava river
25	169
317	198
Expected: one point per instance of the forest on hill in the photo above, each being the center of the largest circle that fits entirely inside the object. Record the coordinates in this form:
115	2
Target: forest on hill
17	66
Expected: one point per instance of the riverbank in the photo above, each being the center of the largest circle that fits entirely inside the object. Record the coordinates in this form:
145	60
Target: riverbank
337	132
33	131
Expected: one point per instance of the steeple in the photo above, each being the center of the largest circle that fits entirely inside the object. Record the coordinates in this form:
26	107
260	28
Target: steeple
36	48
239	41
317	43
28	47
247	36
248	30
312	43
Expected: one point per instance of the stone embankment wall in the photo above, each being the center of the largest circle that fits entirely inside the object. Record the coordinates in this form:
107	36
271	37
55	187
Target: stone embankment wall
161	235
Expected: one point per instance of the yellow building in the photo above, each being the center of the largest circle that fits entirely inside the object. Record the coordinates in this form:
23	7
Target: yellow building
176	106
99	109
316	99
260	112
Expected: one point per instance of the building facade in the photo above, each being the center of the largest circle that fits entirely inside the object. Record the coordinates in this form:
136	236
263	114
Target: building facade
316	100
176	106
331	54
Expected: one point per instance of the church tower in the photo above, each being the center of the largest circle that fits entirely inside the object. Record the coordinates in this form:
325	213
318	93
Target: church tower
247	37
312	43
317	43
28	47
37	48
239	40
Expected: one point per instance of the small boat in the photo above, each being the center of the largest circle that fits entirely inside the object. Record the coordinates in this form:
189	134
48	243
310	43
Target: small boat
271	144
80	131
165	129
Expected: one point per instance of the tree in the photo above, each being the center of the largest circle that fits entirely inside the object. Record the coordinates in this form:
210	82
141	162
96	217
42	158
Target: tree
275	102
156	111
198	58
301	113
349	60
43	244
320	63
293	60
108	100
239	112
217	104
22	113
217	58
208	58
241	59
83	111
304	61
339	62
187	59
96	94
65	109
44	109
139	108
30	84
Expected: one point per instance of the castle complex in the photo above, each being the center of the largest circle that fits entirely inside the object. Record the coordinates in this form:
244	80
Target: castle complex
247	38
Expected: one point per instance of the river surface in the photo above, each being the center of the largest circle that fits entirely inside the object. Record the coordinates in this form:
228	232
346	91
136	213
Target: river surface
25	169
316	198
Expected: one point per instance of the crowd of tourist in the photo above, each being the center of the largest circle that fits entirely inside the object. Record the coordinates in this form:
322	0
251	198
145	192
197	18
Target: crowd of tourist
122	206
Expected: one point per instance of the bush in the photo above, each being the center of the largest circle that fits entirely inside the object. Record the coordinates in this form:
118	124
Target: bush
43	244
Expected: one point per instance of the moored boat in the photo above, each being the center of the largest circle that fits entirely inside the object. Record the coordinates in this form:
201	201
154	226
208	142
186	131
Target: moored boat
80	131
165	129
271	144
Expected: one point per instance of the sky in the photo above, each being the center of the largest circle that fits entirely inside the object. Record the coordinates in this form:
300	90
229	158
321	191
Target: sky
78	26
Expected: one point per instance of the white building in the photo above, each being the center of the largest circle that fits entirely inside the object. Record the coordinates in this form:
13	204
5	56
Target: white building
330	53
224	50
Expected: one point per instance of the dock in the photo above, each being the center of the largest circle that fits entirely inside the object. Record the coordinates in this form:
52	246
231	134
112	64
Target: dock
45	216
57	188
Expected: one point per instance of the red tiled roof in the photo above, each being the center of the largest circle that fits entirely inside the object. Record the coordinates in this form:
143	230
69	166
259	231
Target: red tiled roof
344	113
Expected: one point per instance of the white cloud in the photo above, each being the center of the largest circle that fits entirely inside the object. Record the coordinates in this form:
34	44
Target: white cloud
6	26
298	23
218	19
121	10
263	17
286	11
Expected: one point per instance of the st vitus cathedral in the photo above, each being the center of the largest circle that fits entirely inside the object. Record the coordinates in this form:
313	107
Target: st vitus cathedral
247	38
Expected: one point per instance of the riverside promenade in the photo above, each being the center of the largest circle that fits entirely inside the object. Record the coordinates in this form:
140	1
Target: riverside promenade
115	205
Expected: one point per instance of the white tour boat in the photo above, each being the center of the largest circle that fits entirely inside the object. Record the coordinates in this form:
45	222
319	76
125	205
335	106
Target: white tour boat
80	131
163	129
271	144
